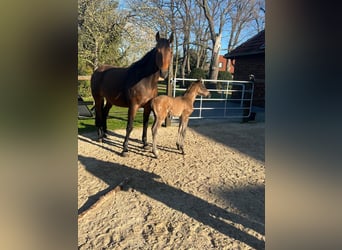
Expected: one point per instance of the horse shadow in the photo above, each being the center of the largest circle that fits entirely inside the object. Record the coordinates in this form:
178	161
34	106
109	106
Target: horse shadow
114	144
86	128
197	208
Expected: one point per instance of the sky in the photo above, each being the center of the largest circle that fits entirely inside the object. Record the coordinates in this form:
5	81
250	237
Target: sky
245	34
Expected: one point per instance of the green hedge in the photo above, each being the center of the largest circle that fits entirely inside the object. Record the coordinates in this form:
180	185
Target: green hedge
224	75
198	73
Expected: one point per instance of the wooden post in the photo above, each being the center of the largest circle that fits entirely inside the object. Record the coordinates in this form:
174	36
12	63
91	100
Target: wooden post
83	78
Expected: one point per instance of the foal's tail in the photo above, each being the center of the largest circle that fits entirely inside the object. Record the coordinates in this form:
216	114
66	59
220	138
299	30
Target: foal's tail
152	107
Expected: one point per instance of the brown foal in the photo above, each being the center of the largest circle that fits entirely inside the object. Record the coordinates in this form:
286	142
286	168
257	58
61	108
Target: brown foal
180	106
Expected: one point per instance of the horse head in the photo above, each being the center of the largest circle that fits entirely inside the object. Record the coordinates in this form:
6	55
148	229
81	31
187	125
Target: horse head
164	54
202	90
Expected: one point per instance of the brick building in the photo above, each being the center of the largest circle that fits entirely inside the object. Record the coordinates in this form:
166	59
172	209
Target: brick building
222	65
249	58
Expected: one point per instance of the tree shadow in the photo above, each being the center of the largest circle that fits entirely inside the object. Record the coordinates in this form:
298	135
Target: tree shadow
199	209
253	207
249	141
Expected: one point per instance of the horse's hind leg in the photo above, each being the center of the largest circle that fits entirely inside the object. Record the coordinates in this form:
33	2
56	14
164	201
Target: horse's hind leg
181	133
180	126
95	84
106	109
185	125
98	117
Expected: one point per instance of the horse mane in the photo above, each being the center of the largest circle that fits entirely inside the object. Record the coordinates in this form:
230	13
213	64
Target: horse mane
142	68
189	88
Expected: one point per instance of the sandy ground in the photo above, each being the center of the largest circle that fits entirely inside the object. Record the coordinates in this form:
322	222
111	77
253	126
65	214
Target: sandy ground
210	198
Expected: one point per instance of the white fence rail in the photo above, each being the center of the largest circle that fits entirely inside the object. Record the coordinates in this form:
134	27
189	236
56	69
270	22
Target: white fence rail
229	98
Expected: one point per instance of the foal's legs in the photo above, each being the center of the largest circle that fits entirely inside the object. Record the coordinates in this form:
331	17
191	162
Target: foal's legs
132	110
158	119
181	132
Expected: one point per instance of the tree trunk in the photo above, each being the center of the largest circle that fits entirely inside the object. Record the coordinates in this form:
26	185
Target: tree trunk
177	57
184	62
198	57
188	64
96	56
215	58
172	73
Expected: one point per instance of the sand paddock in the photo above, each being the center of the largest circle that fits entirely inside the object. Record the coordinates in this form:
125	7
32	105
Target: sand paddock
210	198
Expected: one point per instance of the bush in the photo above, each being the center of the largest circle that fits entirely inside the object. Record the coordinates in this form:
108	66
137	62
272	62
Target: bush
84	89
198	73
224	75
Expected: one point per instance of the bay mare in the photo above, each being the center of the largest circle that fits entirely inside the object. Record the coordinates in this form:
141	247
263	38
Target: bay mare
133	87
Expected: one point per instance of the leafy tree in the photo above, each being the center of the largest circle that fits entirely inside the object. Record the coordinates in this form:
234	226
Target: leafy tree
99	33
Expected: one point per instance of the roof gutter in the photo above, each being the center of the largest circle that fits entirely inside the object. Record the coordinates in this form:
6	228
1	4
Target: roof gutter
234	55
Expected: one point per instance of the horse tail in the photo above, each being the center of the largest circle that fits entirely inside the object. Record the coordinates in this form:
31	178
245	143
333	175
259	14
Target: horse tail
97	77
95	86
95	80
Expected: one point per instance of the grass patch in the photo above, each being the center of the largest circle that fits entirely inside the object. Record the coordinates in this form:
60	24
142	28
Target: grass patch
117	119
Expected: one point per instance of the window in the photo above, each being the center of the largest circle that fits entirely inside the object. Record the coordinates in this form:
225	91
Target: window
220	65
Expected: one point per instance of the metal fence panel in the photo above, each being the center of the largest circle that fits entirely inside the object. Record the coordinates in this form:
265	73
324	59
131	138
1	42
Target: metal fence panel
229	98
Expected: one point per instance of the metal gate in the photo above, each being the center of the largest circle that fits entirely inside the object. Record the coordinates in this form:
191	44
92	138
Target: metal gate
229	98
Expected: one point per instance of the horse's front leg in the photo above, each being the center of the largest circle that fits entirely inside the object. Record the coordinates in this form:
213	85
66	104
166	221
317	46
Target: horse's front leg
146	117
132	110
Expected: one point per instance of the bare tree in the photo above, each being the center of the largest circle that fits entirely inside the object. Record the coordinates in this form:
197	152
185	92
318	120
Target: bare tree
183	10
259	15
152	14
233	15
216	15
241	15
200	29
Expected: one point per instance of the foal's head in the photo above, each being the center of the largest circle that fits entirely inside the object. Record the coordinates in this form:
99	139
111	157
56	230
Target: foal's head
199	87
164	54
